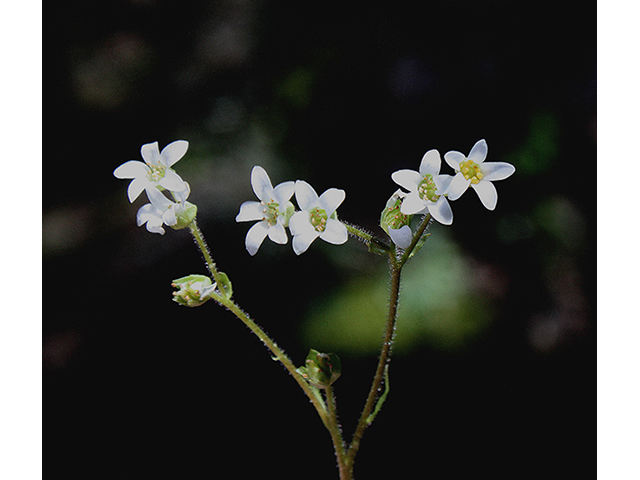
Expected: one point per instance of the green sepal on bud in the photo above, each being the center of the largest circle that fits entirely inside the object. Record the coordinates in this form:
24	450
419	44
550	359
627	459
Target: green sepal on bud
193	290
224	284
321	369
185	215
391	216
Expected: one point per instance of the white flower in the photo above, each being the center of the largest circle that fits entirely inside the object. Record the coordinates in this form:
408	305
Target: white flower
273	210
426	189
161	210
317	217
155	171
474	171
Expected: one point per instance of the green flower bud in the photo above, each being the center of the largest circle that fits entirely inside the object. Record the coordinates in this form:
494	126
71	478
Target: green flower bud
193	290
391	216
185	215
321	369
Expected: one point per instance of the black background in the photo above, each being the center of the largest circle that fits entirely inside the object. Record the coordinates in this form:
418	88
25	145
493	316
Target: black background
343	95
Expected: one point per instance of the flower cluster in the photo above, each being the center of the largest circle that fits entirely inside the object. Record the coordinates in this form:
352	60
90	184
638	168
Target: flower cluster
155	175
275	211
430	192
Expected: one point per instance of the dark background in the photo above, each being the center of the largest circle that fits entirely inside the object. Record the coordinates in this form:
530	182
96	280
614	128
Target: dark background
340	95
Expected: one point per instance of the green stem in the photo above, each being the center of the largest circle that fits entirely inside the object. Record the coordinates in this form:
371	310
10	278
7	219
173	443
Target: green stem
204	249
385	354
372	241
279	354
416	238
336	436
395	269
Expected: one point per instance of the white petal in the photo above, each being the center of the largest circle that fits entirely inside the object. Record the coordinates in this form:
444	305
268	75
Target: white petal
181	196
402	236
331	199
169	217
458	186
441	211
261	184
174	152
487	193
283	192
408	179
493	171
150	215
301	242
454	158
136	187
250	211
305	195
278	234
150	153
478	152
146	212
335	232
255	237
157	199
131	169
442	183
172	181
155	226
413	204
430	163
299	223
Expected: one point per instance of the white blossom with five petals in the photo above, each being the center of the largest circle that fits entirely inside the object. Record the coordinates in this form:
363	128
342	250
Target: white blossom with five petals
317	217
162	211
155	170
473	170
272	211
427	189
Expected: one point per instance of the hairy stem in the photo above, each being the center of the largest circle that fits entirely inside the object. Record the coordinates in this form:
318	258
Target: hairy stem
395	269
369	239
204	249
279	354
385	354
336	436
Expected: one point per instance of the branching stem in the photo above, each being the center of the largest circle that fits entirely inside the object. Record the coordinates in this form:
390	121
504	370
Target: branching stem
328	413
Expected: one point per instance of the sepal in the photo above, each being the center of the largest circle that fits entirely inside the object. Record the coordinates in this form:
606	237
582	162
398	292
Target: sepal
185	215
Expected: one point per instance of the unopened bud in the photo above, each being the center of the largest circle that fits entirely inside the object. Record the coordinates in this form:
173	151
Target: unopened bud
321	369
193	290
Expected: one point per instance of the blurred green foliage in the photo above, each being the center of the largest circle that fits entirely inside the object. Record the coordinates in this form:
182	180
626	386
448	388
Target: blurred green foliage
439	306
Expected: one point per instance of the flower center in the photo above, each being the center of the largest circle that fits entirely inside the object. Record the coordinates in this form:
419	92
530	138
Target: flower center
156	173
395	218
318	218
471	171
270	212
427	189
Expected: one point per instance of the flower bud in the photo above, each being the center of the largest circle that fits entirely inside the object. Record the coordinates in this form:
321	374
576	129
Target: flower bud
321	369
193	290
185	214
